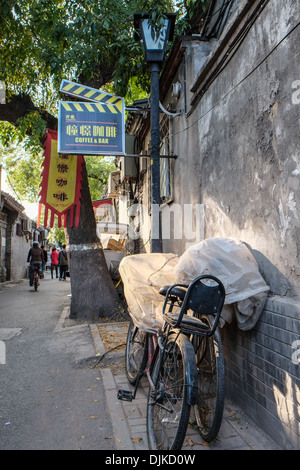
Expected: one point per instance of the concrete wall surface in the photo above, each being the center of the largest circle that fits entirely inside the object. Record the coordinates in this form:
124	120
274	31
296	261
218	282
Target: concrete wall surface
238	147
237	141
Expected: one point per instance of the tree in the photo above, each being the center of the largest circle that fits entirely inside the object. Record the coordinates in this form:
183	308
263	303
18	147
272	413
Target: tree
90	42
98	171
95	295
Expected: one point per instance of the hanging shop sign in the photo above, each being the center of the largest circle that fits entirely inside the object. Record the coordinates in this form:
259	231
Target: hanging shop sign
95	126
86	93
61	184
90	129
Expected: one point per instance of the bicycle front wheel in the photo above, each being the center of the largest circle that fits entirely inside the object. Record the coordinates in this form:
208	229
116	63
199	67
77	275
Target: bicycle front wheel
168	409
211	382
136	352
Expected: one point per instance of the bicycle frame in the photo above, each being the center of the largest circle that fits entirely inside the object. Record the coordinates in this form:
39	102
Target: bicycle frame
190	375
156	346
151	356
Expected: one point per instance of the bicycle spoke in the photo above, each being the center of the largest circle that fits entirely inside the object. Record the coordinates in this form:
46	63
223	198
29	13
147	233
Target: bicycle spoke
168	410
210	364
135	354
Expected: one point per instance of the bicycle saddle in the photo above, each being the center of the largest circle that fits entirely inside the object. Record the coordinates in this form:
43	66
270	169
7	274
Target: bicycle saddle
176	291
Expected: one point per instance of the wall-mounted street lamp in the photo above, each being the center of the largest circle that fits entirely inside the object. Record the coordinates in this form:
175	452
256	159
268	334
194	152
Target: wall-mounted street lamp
154	41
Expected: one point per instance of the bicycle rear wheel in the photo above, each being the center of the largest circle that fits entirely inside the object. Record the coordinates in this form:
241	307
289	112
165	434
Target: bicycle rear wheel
211	382
168	409
136	352
35	281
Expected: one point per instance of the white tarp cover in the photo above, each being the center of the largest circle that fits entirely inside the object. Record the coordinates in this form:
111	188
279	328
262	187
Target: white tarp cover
143	275
229	260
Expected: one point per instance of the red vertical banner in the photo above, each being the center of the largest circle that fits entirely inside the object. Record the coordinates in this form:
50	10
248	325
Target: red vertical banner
61	184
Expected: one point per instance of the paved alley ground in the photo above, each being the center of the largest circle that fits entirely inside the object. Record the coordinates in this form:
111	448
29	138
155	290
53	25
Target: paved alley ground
59	383
46	400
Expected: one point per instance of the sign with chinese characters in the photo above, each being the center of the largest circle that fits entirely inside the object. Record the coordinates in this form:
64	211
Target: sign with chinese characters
91	128
62	176
61	183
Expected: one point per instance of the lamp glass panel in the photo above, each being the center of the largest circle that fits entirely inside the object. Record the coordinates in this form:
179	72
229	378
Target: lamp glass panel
154	40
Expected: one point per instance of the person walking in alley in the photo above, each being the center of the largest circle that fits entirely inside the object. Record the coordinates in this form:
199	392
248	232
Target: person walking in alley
54	262
63	263
35	256
45	258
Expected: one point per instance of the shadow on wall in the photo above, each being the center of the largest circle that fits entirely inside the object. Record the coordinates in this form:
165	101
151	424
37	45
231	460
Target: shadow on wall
2	274
286	404
278	283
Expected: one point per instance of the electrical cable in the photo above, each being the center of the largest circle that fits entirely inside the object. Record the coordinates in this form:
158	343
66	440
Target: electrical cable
107	352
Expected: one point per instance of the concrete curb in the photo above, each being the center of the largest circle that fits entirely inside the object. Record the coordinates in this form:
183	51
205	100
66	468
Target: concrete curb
62	319
115	406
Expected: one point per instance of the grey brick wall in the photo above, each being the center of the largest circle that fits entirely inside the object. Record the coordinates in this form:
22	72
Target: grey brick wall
262	372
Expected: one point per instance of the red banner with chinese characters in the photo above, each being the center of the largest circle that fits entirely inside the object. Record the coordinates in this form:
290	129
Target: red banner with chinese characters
61	184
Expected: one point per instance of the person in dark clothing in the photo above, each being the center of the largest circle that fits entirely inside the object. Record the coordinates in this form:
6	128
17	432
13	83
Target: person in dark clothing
35	257
63	263
45	258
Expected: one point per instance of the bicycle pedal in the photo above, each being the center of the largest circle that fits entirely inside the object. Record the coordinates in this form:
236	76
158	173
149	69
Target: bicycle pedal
125	395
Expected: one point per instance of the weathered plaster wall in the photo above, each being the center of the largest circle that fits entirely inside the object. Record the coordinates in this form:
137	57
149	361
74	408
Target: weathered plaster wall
238	155
240	145
20	249
13	250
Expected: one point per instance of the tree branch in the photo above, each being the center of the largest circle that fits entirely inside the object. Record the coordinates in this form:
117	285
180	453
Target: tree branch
92	175
20	105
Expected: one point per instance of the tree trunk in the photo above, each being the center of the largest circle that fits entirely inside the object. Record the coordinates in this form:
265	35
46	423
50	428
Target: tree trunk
93	292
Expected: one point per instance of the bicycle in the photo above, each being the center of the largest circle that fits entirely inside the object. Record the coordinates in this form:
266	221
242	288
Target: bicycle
175	361
36	276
